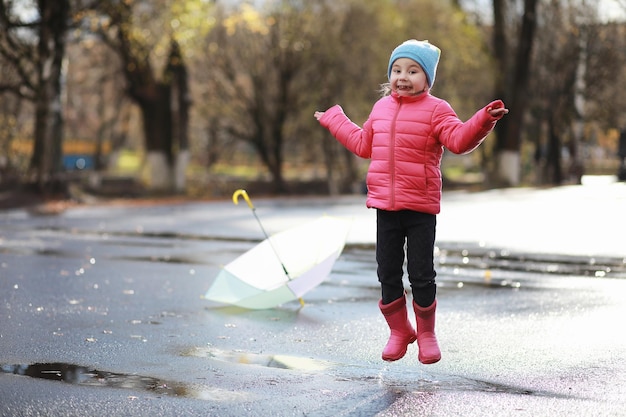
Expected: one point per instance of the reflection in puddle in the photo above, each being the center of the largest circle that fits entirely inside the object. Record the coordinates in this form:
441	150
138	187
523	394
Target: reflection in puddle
270	361
81	375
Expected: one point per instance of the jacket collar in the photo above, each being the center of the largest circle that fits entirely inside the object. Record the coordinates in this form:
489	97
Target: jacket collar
409	99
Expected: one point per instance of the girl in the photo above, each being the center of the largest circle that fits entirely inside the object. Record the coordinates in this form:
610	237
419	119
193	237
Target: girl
404	137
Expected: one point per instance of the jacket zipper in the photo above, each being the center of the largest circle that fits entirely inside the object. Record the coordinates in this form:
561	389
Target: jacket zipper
392	156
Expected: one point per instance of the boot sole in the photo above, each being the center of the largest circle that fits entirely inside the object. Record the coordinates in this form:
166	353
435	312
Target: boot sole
395	358
429	361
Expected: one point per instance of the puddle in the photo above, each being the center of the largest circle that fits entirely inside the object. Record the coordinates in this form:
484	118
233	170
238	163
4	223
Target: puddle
82	375
456	383
147	234
485	259
270	361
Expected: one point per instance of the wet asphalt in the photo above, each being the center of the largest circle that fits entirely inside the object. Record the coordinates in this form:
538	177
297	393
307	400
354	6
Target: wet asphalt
102	313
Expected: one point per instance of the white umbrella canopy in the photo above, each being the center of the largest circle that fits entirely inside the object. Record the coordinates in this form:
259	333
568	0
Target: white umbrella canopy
283	267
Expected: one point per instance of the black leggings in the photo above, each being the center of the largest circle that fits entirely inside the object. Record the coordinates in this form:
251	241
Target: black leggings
393	229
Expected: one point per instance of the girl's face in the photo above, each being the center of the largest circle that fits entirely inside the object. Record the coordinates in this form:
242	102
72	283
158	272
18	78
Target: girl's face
407	77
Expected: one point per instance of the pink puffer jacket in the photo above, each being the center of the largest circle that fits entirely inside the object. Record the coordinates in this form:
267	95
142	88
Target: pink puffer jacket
404	138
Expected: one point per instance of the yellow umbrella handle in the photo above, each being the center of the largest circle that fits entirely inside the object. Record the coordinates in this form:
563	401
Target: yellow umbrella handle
244	194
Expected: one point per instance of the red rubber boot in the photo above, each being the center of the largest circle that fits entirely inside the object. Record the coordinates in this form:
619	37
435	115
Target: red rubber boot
402	332
426	340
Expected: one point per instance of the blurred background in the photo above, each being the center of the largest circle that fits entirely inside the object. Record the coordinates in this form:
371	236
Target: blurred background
196	98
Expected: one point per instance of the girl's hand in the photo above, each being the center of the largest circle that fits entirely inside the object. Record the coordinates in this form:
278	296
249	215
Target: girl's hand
496	109
499	112
318	114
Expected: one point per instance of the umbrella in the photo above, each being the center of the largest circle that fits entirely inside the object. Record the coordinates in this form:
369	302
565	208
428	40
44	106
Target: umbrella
282	267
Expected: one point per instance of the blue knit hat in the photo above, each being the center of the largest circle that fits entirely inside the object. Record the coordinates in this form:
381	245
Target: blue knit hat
422	52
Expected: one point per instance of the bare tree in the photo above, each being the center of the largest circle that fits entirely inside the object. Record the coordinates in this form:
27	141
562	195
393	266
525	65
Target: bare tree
605	77
554	85
163	101
340	80
255	63
35	50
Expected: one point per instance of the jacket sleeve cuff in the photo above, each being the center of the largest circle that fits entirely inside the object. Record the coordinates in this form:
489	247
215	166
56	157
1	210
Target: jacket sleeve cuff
329	114
496	104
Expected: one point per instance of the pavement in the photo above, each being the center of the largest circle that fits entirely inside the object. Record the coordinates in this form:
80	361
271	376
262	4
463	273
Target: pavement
109	297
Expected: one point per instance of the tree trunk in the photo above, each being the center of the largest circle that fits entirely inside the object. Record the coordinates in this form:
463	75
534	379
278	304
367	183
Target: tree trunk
554	170
270	152
47	153
181	102
576	168
157	127
509	129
